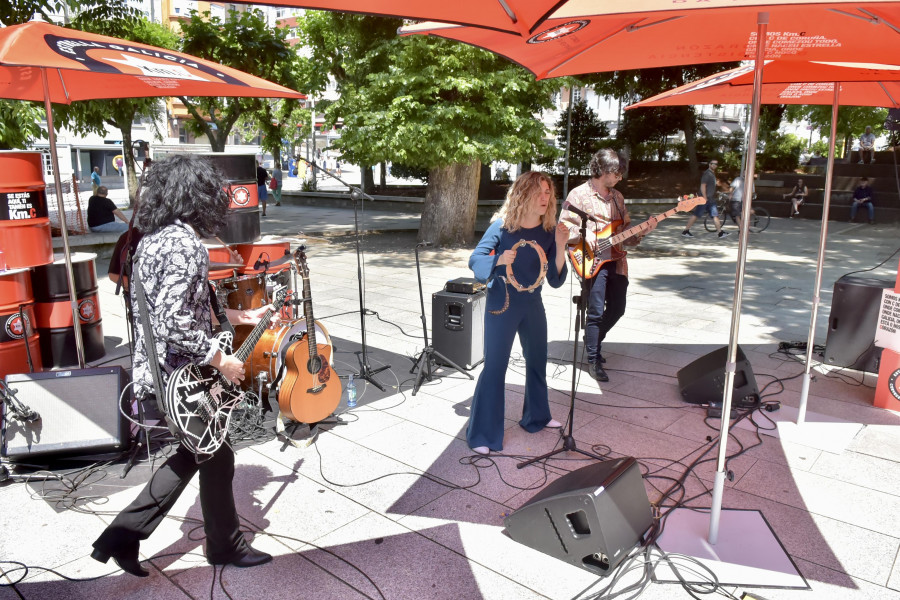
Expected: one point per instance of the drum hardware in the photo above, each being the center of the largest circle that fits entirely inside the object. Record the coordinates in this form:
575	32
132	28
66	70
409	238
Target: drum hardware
218	266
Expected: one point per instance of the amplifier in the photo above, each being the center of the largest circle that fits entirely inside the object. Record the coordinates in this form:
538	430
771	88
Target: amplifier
457	326
79	414
853	321
464	285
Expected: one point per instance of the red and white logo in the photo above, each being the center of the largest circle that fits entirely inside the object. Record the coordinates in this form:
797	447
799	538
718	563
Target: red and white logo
559	31
240	196
87	310
14	326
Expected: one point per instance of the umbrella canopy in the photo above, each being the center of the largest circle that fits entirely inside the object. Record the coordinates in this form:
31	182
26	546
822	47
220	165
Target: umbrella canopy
588	36
791	83
44	62
87	66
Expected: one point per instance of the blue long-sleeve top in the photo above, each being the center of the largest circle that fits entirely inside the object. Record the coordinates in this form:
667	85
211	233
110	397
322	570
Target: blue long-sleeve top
527	264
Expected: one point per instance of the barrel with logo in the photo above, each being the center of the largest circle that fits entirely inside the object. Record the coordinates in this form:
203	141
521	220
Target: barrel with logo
24	223
53	312
16	344
242	220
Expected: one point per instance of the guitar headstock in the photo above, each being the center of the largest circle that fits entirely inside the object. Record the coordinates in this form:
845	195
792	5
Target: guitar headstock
300	261
280	298
689	202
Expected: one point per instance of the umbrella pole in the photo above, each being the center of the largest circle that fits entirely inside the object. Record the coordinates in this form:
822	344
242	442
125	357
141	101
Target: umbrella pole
719	481
826	204
60	205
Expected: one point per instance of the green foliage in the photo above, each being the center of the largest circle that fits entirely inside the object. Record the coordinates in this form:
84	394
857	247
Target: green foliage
586	133
852	121
646	130
243	41
781	153
20	123
406	172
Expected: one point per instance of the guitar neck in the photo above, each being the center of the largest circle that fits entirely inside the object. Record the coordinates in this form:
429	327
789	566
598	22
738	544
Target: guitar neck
308	314
637	229
243	353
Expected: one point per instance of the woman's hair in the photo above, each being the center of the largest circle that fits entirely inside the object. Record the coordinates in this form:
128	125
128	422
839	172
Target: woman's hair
605	160
526	187
183	187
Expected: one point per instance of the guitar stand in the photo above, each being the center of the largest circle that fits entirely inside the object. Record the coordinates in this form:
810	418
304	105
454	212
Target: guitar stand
142	441
425	361
568	439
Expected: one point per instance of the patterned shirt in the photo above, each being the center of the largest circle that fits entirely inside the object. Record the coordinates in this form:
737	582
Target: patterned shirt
609	209
173	266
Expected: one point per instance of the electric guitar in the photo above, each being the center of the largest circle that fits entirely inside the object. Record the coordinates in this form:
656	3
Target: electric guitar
310	389
199	399
587	258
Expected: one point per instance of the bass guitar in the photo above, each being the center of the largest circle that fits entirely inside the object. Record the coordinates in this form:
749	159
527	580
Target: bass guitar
587	258
310	390
199	399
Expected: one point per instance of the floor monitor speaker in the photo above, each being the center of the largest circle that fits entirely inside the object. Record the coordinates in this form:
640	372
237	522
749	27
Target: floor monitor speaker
457	326
851	325
79	414
703	381
591	518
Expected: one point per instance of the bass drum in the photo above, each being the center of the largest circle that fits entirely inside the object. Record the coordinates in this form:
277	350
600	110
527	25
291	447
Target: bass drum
268	354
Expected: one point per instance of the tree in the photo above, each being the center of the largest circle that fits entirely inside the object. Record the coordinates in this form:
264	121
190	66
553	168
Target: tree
645	130
584	138
440	105
635	85
243	41
95	115
852	121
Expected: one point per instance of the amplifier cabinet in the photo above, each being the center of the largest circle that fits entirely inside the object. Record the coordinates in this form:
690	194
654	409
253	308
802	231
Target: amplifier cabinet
852	323
79	414
457	326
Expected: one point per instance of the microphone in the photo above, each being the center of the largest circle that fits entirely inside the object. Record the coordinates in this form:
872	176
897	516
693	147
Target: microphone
424	245
574	210
259	263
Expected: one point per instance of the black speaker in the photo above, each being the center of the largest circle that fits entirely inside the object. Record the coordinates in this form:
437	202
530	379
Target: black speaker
590	518
703	381
457	327
853	321
79	414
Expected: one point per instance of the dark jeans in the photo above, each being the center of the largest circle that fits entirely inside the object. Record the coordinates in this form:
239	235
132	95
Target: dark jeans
140	518
606	305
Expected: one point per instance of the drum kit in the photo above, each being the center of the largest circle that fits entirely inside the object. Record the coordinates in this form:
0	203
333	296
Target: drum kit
265	268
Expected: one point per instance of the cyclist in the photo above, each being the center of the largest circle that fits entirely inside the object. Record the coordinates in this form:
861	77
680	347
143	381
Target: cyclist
736	199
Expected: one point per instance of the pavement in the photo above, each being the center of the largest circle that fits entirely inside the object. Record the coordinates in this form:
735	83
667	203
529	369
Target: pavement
393	504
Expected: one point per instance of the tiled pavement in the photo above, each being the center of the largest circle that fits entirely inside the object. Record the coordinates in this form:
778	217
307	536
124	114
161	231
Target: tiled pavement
391	505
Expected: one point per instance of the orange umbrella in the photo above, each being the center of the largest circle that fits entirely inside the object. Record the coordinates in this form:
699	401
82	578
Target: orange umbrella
44	62
791	83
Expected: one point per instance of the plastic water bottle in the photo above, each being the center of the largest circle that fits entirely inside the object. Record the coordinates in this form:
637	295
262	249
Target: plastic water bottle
351	393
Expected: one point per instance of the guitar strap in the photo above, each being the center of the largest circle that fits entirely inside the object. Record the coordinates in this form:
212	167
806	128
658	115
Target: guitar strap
224	323
150	344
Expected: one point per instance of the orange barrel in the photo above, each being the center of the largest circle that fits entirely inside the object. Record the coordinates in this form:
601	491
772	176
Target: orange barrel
217	253
53	311
15	292
242	221
24	223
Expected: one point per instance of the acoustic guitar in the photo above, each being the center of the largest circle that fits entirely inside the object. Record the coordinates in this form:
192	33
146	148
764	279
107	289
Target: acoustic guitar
310	389
587	258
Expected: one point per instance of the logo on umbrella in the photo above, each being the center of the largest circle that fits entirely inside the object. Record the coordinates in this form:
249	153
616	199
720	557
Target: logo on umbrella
240	196
87	310
151	62
560	31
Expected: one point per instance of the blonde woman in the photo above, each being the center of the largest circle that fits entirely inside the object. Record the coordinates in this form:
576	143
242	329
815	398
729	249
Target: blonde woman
528	214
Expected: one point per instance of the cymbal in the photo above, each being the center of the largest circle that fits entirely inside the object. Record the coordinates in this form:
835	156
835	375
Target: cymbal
215	266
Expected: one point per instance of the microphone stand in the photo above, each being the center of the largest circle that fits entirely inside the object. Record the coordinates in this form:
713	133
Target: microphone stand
425	361
365	371
580	301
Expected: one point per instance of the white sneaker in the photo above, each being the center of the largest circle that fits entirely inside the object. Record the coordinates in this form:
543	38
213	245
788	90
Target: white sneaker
553	424
481	450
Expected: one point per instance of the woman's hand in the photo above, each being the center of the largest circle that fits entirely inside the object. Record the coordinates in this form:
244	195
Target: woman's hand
507	258
562	235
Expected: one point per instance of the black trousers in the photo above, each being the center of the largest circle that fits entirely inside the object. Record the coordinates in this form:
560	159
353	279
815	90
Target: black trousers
220	520
606	305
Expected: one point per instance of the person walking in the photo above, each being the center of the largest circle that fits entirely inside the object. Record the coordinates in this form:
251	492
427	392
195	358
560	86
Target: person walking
95	180
708	189
276	183
262	176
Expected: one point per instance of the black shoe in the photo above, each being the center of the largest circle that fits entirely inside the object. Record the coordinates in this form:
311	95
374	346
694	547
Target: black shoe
686	233
600	359
129	564
723	234
245	558
597	372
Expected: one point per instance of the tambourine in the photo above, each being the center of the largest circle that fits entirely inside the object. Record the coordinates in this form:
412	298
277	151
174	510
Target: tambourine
511	277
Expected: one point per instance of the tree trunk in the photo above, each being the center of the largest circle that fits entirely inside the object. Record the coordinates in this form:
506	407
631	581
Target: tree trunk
130	171
383	175
690	140
367	179
451	201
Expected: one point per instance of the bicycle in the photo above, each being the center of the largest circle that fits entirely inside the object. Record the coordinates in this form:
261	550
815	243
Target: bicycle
759	216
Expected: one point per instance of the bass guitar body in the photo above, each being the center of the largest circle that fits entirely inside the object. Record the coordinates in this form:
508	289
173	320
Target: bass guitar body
310	389
587	260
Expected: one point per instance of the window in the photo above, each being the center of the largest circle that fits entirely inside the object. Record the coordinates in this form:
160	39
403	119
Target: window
576	94
48	164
